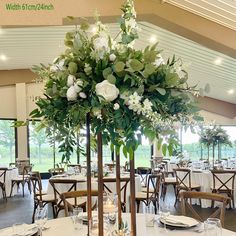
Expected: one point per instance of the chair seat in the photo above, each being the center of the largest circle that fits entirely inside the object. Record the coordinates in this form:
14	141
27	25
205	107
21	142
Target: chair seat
141	196
47	198
18	179
170	180
80	201
193	186
145	189
42	192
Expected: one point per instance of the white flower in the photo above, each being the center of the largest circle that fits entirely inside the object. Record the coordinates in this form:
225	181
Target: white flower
98	114
116	106
107	90
112	57
131	23
134	102
87	69
77	88
159	61
79	82
147	105
53	68
101	43
82	95
70	80
60	64
71	94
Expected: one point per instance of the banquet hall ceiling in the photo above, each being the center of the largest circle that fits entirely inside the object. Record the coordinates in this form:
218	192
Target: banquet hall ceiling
23	47
220	11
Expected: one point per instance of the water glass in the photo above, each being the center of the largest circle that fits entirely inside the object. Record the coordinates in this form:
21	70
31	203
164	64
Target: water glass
149	215
164	211
78	217
41	218
212	227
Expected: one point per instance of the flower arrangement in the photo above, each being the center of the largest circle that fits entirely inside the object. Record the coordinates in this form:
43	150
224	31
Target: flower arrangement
124	90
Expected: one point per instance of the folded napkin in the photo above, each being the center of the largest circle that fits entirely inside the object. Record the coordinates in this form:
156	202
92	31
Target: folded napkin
181	220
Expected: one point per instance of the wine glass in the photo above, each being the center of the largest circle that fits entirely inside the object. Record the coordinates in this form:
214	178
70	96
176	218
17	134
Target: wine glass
41	218
77	217
164	211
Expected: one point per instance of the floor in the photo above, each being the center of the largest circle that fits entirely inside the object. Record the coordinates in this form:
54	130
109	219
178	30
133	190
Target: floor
19	210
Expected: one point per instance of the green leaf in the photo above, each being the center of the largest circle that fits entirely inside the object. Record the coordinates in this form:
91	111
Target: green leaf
119	66
107	72
161	91
164	149
172	79
84	25
111	78
149	69
136	65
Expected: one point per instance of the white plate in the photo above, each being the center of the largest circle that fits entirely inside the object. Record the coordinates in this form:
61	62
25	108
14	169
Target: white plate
180	221
30	230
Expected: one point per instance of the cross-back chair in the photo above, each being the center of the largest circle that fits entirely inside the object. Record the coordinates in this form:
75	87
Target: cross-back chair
143	172
223	182
184	182
41	198
219	212
64	185
123	189
74	197
22	179
152	193
3	172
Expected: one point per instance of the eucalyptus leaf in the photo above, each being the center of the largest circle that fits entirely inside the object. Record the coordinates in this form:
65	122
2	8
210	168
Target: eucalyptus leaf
107	72
136	65
162	91
119	66
111	78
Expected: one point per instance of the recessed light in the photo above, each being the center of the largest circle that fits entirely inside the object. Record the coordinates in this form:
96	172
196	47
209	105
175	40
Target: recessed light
153	39
3	57
218	61
230	91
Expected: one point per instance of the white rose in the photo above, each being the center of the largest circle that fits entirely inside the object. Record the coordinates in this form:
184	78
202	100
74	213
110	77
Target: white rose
107	90
82	95
60	64
79	82
71	94
77	88
116	106
70	80
112	57
101	43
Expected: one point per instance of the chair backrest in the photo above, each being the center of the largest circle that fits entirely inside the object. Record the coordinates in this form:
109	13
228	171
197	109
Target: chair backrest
126	167
26	171
219	212
183	178
68	207
3	171
153	186
56	171
143	172
223	180
123	188
36	182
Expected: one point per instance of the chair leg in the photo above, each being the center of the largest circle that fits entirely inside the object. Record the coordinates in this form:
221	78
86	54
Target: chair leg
176	197
138	205
35	207
23	188
12	185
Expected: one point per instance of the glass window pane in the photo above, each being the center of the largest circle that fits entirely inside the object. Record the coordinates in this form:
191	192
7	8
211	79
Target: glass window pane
7	142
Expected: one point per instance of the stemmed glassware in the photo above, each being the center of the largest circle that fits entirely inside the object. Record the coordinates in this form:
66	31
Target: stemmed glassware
41	218
78	217
164	211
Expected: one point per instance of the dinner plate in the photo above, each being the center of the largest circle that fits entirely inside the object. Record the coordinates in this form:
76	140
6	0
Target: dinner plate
179	221
29	230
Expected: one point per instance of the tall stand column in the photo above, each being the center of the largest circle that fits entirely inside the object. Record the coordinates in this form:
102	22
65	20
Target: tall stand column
89	189
132	197
100	185
118	187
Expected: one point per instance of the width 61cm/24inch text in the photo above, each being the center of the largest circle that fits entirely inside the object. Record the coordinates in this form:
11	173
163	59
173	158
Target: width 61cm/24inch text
29	7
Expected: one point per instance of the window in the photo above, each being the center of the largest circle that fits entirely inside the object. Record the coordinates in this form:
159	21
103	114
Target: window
7	142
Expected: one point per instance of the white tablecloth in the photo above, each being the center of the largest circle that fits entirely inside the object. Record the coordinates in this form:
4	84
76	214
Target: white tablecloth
64	226
10	174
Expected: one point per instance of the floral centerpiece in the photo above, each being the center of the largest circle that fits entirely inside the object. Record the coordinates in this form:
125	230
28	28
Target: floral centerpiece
123	91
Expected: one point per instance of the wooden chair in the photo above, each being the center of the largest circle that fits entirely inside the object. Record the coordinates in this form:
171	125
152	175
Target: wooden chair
223	183
143	172
22	179
41	198
3	172
184	182
71	199
220	212
152	194
56	171
167	181
124	183
64	185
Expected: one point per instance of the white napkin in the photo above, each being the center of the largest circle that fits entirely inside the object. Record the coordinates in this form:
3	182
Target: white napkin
181	220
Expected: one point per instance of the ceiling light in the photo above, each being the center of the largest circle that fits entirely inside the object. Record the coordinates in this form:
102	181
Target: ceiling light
3	57
153	39
230	91
218	61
